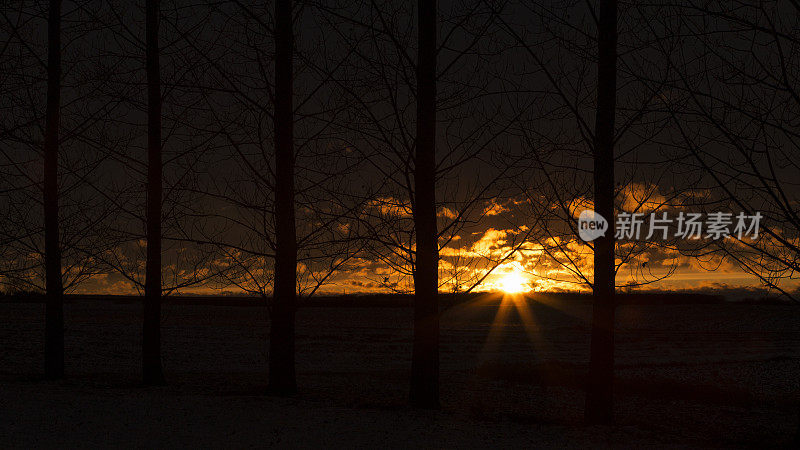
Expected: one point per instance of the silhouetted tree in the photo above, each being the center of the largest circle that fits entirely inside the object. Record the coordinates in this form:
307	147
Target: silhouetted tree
281	341
425	352
82	211
599	394
151	244
430	183
152	371
301	176
583	166
733	93
54	323
734	100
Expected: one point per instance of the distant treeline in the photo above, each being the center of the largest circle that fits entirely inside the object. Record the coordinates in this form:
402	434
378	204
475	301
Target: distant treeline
404	300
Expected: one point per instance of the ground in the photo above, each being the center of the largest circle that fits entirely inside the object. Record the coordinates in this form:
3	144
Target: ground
688	375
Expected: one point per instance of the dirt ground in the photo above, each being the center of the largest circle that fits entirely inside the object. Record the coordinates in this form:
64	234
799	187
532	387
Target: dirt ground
512	375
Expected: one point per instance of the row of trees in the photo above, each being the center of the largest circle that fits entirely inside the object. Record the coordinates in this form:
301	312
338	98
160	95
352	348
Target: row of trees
282	145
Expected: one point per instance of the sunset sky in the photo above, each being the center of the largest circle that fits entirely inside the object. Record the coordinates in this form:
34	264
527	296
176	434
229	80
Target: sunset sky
513	150
489	243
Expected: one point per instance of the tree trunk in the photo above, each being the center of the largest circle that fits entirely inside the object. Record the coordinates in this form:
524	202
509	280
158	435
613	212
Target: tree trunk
425	355
796	438
599	398
151	330
54	313
281	338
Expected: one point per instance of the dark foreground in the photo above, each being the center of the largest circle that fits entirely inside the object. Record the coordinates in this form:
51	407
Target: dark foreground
698	375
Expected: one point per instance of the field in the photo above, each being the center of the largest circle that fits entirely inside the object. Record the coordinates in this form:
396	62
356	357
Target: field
721	374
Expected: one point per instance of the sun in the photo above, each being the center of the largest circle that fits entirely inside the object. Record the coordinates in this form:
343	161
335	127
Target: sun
514	283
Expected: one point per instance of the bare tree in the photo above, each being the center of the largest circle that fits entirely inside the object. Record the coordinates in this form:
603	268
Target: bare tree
152	371
283	215
578	163
425	352
150	239
431	183
54	323
599	395
281	341
733	92
734	100
61	127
